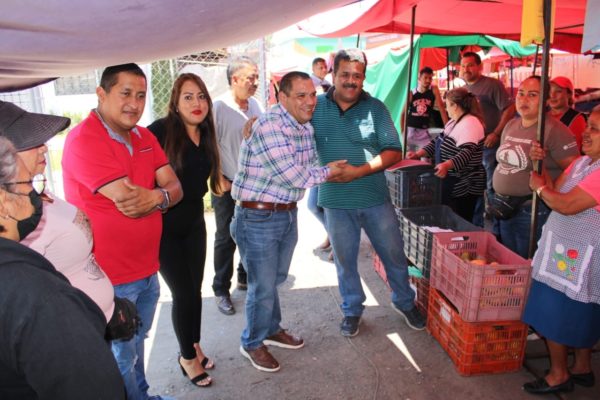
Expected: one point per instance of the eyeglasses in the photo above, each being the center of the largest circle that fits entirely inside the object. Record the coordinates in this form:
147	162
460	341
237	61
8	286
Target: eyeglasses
38	182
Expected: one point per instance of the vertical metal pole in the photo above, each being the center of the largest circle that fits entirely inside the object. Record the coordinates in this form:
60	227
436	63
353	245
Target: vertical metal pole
512	76
358	41
262	70
541	118
448	69
537	50
410	63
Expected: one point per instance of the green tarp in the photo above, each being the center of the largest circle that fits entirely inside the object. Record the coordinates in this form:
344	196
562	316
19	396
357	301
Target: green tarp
387	80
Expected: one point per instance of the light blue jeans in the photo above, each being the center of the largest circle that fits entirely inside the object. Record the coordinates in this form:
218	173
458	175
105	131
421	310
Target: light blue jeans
129	354
266	241
382	227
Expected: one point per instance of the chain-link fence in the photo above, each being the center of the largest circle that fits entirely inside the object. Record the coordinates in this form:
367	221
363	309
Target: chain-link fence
74	96
163	73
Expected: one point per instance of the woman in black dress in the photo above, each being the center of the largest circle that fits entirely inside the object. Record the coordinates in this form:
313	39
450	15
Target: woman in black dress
187	134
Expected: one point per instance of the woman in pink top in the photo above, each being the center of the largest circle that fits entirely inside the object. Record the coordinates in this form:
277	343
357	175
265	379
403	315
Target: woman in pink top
63	234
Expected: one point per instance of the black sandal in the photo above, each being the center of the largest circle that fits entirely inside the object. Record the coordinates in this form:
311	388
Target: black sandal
195	380
205	363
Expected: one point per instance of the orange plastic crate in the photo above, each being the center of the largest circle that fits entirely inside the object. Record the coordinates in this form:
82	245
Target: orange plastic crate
476	347
480	292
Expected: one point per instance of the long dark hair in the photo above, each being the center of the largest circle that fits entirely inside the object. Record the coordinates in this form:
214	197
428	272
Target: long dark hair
176	134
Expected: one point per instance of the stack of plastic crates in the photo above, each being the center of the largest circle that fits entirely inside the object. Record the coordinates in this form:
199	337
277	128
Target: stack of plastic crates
412	184
478	292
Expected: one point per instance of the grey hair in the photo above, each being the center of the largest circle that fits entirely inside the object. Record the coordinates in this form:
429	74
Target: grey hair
349	55
8	161
237	64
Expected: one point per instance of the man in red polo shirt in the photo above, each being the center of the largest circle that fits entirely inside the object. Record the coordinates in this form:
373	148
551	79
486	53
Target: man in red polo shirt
117	173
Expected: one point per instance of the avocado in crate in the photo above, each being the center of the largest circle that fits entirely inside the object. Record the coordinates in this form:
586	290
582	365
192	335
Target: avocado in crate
419	225
482	278
413	184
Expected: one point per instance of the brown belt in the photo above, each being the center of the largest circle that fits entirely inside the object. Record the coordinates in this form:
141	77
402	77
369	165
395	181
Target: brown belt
260	205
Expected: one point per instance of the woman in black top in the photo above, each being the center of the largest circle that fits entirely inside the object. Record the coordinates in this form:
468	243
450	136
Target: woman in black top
187	134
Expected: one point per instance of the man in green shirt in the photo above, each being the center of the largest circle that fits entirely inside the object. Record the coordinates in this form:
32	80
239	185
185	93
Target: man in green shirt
350	124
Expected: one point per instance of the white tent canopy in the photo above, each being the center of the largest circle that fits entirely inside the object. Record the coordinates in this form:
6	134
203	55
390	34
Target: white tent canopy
42	40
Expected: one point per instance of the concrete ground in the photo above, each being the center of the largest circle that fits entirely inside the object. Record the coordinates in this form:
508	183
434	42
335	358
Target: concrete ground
387	360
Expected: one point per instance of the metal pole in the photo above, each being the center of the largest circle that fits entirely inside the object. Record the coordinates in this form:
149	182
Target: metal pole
541	118
448	69
512	76
537	50
410	62
358	41
262	70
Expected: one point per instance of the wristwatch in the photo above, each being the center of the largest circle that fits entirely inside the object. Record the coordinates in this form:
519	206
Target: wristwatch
166	200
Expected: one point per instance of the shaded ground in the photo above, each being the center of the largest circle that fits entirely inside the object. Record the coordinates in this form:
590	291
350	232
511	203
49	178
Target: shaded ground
387	360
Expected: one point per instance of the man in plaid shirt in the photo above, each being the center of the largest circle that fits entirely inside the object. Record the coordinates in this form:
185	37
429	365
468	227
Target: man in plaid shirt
277	163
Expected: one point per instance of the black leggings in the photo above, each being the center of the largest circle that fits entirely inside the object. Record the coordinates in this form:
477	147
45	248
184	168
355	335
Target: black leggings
182	257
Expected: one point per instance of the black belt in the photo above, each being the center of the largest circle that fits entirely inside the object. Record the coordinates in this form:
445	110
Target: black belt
261	205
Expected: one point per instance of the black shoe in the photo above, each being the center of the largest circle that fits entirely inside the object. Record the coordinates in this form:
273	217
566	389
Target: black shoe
242	281
349	326
225	305
585	380
540	386
413	317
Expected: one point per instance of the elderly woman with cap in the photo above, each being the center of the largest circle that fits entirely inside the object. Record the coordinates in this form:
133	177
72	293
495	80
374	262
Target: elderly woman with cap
560	102
564	300
52	336
63	234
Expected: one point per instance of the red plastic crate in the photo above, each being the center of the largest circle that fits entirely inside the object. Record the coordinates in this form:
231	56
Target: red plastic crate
421	285
422	298
480	292
476	347
378	266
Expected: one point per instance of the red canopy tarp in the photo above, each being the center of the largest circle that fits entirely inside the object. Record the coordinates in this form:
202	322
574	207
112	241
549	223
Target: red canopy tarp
498	18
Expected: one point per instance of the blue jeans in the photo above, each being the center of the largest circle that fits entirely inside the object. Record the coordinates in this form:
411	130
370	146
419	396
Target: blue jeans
129	354
313	207
381	225
514	232
266	241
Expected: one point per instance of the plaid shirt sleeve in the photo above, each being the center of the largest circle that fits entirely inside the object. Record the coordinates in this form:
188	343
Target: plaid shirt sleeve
278	160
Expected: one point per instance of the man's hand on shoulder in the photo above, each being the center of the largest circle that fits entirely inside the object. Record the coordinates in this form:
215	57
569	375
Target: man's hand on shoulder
135	201
247	130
